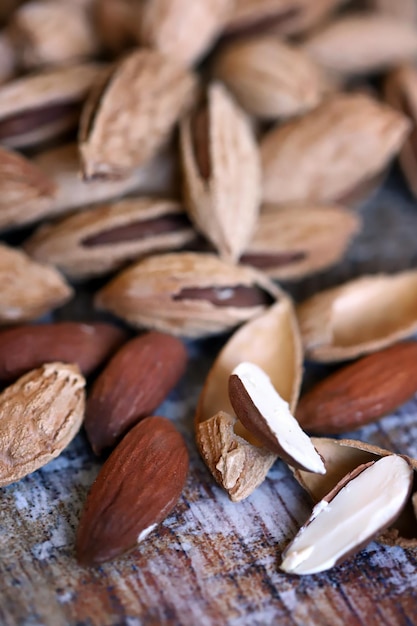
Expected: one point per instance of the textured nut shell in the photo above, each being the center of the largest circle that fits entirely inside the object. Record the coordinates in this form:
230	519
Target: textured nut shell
61	165
319	234
61	243
39	415
28	289
137	487
361	392
182	29
22	184
237	465
331	150
144	294
269	78
271	341
363	43
52	33
24	348
361	316
132	385
343	456
401	93
284	17
224	207
42	89
155	93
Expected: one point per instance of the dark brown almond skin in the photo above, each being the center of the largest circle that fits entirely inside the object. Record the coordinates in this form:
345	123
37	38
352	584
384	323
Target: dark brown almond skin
137	487
27	347
133	384
361	392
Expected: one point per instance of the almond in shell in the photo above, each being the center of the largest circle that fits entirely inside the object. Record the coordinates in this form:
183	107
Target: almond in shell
104	238
326	154
186	293
155	91
29	289
222	175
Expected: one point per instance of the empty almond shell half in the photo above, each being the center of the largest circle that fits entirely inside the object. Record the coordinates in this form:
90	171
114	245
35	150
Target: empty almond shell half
263	412
237	460
342	456
188	294
352	514
361	316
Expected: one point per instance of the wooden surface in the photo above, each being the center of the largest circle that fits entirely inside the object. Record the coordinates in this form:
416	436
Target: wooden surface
212	562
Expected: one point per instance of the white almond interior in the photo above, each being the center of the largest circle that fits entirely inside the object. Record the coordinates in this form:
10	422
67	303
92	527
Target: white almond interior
277	415
366	505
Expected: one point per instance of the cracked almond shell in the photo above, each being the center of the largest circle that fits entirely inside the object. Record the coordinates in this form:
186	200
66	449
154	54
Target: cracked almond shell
104	238
291	242
361	316
156	93
343	456
28	289
222	173
39	415
272	341
187	294
330	151
359	507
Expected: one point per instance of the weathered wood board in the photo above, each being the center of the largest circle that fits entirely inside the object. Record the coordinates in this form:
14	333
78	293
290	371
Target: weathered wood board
212	562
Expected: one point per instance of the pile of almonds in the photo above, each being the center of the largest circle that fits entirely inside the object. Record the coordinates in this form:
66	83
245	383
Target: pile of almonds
192	156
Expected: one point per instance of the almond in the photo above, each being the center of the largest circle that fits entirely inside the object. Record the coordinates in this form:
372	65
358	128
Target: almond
362	505
25	347
137	487
361	392
133	384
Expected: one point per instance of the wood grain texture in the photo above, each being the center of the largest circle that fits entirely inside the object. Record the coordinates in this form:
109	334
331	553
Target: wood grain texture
212	562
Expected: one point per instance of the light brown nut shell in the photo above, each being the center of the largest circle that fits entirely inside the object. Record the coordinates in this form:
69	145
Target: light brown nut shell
28	289
361	316
343	456
182	29
271	341
269	78
283	17
363	43
7	58
39	415
51	33
36	94
102	239
223	202
400	90
61	166
327	153
405	10
155	92
292	242
168	292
